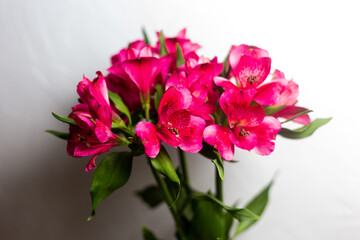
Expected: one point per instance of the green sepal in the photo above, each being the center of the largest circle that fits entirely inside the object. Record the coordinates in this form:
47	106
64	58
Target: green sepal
146	39
219	165
180	60
112	173
158	95
151	195
271	110
163	49
147	234
62	135
257	205
241	214
297	115
64	119
304	131
120	105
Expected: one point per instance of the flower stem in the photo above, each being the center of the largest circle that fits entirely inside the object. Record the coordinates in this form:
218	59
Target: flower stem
184	170
219	186
168	199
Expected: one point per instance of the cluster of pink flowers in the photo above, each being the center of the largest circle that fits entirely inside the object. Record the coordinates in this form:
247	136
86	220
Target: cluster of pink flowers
204	100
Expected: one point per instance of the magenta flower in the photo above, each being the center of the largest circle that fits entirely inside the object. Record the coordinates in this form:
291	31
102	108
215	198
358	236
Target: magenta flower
139	75
248	129
176	126
289	92
94	116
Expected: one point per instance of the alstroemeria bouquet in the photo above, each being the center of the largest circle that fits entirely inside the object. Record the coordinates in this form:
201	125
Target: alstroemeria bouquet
167	94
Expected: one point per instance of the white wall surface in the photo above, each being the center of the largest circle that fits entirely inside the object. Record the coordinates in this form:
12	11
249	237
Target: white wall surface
46	46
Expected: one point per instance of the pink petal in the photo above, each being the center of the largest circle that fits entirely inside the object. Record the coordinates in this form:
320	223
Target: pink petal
174	99
236	52
242	98
169	136
268	94
91	164
99	90
83	89
251	72
290	111
267	132
179	119
278	75
101	112
192	136
218	137
103	133
225	83
148	135
289	92
245	141
246	117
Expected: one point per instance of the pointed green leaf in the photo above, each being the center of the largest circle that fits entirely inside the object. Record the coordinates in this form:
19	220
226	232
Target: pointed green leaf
151	195
240	214
158	95
297	115
147	234
113	172
65	119
256	205
120	105
219	165
163	164
163	50
62	135
180	60
146	39
304	131
271	110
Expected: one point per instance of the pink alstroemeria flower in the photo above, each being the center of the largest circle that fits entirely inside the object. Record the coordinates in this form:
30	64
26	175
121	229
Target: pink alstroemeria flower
289	92
176	127
250	66
249	128
94	116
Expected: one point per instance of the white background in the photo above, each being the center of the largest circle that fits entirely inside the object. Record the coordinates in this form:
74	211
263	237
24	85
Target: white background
46	46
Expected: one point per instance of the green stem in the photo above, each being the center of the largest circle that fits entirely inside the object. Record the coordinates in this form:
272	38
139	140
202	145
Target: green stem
184	170
219	187
168	199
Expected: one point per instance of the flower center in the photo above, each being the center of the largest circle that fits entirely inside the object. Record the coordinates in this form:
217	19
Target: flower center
174	131
243	133
252	79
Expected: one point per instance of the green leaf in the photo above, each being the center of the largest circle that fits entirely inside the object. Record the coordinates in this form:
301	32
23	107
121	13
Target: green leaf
180	60
113	172
158	95
151	195
147	234
271	110
304	131
256	205
207	222
62	135
65	119
240	214
163	164
163	49
146	39
219	165
120	105
297	115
